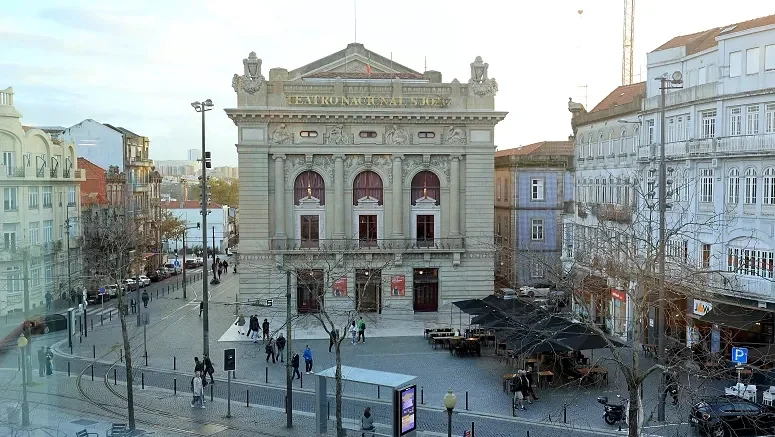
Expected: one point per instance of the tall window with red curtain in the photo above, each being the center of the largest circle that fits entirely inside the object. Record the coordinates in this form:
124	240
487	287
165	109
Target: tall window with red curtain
309	184
367	183
426	184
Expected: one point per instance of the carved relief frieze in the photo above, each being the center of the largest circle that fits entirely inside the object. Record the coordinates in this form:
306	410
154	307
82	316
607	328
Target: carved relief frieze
293	163
454	135
385	164
396	135
351	163
325	162
441	163
337	134
411	162
427	90
308	89
281	135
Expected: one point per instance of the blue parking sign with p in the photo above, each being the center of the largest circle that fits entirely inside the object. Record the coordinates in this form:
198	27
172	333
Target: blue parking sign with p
740	355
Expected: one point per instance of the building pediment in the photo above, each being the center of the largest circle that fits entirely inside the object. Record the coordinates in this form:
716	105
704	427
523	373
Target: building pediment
355	61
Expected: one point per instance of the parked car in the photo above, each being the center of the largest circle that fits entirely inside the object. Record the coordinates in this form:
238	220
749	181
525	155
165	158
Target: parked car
112	290
130	284
46	323
172	269
200	261
153	276
163	273
731	416
144	280
191	264
95	298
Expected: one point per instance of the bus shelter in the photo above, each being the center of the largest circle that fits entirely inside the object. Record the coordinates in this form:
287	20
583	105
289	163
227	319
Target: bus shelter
403	399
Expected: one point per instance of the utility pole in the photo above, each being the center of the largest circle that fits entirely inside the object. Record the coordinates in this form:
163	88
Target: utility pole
216	267
288	354
203	107
69	275
28	330
665	83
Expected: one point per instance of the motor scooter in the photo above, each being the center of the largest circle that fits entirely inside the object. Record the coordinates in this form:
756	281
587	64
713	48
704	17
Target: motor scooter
614	413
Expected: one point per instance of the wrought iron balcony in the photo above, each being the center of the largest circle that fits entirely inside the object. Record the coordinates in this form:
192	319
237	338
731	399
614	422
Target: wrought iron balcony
614	213
380	245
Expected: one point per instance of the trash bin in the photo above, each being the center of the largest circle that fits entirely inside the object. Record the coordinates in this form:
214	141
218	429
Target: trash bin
13	413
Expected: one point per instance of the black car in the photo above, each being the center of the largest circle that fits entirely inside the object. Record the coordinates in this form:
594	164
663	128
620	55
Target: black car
47	323
732	416
153	276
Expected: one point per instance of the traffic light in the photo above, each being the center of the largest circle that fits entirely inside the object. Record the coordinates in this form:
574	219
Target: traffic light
229	360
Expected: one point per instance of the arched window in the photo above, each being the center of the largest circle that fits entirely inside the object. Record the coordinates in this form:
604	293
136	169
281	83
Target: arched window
309	184
636	140
750	186
367	184
769	186
589	145
600	151
426	184
622	140
733	186
611	142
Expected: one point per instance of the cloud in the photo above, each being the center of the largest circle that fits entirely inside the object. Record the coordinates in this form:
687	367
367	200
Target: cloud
92	20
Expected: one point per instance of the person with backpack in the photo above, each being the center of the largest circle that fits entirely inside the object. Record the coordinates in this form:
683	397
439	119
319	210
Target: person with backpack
209	368
145	299
308	360
281	347
361	330
265	329
270	350
295	365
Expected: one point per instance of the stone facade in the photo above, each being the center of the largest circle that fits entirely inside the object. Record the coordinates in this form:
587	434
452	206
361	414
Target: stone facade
354	112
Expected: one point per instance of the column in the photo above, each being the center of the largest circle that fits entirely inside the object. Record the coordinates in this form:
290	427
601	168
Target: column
279	197
339	209
454	197
398	205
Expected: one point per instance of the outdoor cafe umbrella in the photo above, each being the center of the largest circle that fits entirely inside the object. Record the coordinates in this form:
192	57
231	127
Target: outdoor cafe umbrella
472	306
580	338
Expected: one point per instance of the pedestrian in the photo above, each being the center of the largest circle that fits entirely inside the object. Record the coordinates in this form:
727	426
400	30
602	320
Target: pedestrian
265	329
197	389
281	347
516	388
353	332
225	266
219	273
253	332
201	307
198	365
49	298
332	339
133	305
145	297
41	361
308	360
361	330
240	323
367	421
270	350
295	365
671	384
209	368
49	361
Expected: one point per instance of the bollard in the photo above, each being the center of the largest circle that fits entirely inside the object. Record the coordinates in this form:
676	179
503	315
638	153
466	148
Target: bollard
175	386
110	315
301	380
121	355
211	392
329	410
94	351
101	320
174	363
247	397
564	413
422	395
267	375
466	400
377	392
92	324
157	294
146	358
233	374
142	380
68	369
528	433
115	372
620	423
92	372
80	339
472	429
168	289
19	363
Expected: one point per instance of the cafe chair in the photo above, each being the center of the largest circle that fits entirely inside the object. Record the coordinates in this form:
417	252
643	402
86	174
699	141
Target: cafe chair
736	390
750	393
768	396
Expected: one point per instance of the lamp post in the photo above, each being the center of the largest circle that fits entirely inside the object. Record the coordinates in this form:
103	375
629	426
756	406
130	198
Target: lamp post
450	400
203	107
22	343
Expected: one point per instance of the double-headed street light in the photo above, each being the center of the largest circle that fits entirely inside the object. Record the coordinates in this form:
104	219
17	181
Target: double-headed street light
203	107
450	400
22	343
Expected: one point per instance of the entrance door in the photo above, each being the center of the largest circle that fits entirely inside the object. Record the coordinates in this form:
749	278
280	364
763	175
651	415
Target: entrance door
368	286
309	291
426	290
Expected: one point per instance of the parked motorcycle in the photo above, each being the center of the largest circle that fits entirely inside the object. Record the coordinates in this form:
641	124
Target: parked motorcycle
614	413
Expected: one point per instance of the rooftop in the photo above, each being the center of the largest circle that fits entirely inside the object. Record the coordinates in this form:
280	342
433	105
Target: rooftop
188	204
699	41
368	376
622	95
540	148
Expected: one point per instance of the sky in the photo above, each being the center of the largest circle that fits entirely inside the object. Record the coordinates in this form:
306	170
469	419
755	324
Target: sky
140	64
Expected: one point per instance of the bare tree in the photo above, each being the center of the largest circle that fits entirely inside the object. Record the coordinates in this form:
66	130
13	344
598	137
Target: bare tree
111	240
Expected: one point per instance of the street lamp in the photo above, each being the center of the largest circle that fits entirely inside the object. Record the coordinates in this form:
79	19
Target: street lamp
22	343
450	400
203	107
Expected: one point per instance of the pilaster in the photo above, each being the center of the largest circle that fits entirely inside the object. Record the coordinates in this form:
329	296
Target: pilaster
398	203
339	209
279	195
454	194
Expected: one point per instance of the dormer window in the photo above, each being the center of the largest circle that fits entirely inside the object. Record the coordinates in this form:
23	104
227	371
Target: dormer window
308	134
367	134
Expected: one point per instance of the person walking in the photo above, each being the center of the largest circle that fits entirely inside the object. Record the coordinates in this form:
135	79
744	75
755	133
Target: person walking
49	361
332	339
265	329
240	323
361	330
671	385
198	366
308	360
353	332
281	347
270	350
254	328
219	273
367	421
295	365
201	307
41	361
209	368
133	305
197	389
49	298
145	297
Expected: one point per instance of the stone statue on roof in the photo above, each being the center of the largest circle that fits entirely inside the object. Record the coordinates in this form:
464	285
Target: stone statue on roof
479	84
251	79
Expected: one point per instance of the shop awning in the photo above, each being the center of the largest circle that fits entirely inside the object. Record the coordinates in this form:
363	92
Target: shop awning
733	316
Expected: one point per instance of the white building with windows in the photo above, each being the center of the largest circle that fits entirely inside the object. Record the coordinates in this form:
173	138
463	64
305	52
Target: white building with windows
720	147
41	196
357	161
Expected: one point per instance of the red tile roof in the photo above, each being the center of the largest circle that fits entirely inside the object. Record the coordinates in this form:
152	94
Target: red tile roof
335	74
622	95
699	41
188	204
94	189
540	148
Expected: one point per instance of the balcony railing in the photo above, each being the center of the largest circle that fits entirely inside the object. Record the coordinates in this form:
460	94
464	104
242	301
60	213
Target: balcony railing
737	145
683	96
582	210
140	186
53	173
381	245
40	172
141	161
66	173
614	213
748	287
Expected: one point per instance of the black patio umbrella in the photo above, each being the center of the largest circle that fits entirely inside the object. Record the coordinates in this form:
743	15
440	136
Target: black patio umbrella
472	306
580	338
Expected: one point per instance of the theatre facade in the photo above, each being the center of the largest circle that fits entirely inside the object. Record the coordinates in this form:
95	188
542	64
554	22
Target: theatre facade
364	185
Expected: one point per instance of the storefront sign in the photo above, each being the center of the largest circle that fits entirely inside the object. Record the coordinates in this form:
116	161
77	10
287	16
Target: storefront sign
701	307
618	295
408	405
374	101
340	287
398	285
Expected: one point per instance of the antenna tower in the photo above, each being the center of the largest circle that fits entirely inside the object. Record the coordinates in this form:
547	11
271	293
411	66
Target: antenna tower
628	39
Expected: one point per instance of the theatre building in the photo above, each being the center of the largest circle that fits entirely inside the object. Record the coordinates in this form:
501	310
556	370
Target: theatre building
371	183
